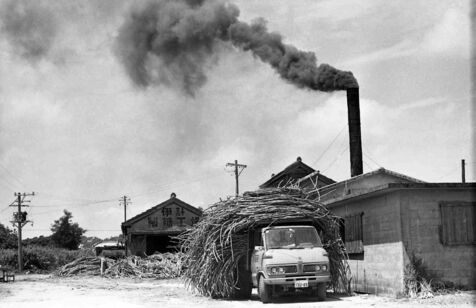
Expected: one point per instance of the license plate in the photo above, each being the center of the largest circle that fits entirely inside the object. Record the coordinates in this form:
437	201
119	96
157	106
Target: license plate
301	284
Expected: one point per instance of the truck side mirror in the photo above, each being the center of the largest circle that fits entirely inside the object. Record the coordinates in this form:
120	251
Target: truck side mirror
259	248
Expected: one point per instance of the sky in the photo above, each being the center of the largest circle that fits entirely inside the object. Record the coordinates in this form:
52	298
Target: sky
77	131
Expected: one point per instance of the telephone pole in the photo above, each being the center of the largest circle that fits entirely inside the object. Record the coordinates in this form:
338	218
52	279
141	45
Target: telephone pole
238	169
125	200
19	221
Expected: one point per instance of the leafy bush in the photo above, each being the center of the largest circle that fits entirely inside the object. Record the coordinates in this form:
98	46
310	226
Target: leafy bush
41	259
8	238
41	240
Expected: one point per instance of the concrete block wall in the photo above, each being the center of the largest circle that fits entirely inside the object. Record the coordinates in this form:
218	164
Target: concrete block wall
379	270
421	221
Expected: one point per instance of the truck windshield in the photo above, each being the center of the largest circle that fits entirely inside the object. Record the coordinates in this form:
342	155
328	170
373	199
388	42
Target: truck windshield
292	238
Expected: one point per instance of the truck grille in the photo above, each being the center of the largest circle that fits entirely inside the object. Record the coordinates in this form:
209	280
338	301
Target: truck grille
309	268
290	269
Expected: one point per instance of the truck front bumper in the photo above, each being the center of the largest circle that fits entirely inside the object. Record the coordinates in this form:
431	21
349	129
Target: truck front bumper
312	280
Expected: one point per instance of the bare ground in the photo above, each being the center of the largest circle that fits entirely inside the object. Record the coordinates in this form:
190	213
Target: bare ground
47	291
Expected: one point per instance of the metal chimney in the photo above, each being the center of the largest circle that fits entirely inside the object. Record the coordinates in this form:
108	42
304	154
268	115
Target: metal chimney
355	138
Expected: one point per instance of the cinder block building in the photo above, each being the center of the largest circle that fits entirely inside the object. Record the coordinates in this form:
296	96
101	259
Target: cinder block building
153	230
388	217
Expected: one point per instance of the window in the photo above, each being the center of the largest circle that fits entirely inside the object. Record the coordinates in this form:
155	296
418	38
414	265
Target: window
179	211
180	221
167	221
352	234
195	220
458	223
166	211
152	221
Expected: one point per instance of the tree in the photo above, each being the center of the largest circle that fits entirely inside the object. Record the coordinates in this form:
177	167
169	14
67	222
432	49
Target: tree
8	239
41	240
65	233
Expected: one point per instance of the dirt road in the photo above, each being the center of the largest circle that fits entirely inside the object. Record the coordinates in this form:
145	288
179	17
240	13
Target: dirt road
48	292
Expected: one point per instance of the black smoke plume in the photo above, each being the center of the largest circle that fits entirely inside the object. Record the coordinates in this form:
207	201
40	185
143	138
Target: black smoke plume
172	42
29	28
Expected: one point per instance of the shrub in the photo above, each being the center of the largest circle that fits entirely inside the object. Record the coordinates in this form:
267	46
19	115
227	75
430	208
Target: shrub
8	238
41	259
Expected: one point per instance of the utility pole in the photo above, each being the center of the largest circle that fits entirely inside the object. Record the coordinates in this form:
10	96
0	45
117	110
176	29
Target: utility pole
463	171
238	169
19	221
125	200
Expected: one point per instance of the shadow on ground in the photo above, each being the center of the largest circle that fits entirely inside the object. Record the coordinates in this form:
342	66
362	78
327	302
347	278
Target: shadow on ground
297	298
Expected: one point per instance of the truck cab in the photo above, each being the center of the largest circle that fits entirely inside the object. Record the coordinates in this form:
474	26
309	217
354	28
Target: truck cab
289	258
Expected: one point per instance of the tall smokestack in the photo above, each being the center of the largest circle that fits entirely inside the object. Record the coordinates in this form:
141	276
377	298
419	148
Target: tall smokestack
355	138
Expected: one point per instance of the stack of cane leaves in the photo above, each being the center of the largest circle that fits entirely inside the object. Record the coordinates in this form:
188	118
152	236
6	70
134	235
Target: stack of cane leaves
214	246
156	266
86	266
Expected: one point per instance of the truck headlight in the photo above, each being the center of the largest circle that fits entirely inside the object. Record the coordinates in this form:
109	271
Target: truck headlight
277	270
324	267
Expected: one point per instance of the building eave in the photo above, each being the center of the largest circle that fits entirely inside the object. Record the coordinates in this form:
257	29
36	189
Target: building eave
153	209
374	191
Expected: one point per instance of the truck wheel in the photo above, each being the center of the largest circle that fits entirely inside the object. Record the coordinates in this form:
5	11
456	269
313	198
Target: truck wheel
264	291
321	291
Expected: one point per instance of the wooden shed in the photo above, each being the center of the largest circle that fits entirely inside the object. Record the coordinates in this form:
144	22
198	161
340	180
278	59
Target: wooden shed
153	230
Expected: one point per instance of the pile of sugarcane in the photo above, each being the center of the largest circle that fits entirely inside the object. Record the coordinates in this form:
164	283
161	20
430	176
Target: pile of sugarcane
214	246
87	266
158	266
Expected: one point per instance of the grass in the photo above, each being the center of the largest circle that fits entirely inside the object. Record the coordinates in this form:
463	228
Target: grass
419	284
40	259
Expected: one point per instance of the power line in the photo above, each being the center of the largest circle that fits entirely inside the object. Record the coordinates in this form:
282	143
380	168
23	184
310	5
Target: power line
166	186
7	185
365	163
329	146
337	158
77	204
99	202
67	198
12	175
367	155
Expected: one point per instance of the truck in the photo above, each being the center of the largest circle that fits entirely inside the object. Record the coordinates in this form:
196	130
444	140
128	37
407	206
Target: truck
110	249
284	258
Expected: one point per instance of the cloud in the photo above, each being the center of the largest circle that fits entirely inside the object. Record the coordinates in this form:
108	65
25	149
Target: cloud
29	27
81	131
450	36
427	102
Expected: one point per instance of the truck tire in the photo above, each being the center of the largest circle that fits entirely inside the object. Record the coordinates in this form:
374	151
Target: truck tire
321	291
264	291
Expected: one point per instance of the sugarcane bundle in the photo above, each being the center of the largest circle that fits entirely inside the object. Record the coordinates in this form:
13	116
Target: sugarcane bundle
88	266
215	245
123	268
158	266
